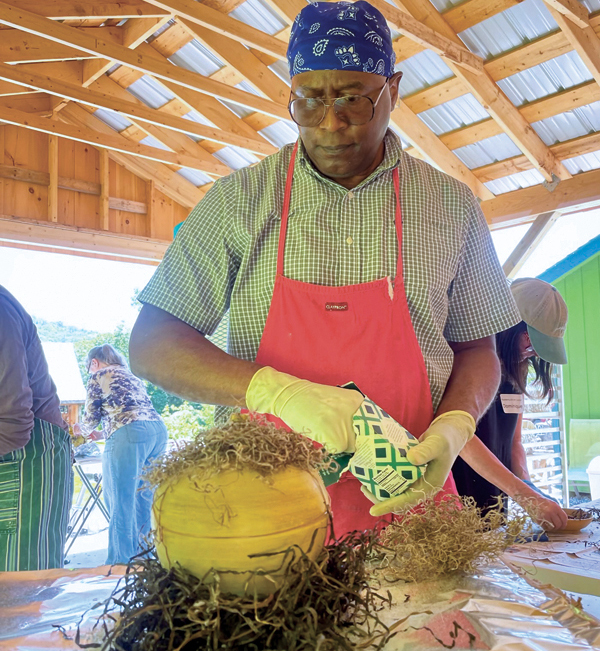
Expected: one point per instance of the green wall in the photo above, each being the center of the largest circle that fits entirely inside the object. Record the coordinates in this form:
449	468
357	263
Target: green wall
581	290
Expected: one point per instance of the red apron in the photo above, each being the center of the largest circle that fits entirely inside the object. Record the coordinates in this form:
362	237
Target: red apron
356	333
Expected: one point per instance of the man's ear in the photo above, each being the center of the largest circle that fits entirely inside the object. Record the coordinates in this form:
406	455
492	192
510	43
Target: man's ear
393	83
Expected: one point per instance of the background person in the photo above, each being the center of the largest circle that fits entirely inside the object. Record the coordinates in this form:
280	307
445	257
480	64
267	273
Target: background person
135	435
533	344
36	471
339	258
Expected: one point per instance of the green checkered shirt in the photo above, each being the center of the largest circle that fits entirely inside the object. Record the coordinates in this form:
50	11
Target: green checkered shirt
224	256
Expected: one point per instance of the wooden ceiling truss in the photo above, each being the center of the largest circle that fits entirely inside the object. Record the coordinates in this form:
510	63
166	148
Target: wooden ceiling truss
62	60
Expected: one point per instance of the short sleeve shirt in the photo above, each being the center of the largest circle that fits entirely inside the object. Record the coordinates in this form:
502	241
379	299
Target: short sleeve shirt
224	256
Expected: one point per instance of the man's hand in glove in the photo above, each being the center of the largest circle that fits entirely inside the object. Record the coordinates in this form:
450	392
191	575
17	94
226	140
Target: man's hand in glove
438	447
321	412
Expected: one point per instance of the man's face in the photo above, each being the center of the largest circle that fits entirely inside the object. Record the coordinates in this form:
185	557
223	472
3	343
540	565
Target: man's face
341	151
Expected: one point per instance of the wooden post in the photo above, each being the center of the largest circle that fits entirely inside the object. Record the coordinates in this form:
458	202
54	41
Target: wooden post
53	183
104	195
150	208
529	242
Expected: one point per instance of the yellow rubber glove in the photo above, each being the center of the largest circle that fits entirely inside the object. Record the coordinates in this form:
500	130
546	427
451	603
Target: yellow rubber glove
438	447
321	412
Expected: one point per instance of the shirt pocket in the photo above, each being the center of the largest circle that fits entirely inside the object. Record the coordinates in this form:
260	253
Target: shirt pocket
9	496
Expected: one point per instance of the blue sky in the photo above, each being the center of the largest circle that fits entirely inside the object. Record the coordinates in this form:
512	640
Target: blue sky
96	294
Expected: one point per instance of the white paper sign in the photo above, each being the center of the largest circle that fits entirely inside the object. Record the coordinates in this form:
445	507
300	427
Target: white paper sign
512	403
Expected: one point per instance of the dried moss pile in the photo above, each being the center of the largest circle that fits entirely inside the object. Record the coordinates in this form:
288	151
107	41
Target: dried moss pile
243	445
450	536
325	605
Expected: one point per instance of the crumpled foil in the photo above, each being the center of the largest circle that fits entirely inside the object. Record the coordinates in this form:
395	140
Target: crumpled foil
497	609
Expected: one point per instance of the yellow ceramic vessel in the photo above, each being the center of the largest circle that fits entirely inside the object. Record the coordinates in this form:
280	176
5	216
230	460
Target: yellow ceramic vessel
222	522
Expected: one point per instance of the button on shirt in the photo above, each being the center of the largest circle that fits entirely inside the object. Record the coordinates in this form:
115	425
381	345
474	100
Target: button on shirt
224	256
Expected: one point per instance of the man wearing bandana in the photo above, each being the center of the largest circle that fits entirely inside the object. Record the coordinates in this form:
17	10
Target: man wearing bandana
339	259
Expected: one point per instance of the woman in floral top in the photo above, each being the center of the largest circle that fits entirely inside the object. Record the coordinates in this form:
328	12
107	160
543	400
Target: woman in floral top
135	434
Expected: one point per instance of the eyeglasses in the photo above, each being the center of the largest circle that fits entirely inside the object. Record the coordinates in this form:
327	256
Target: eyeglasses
353	109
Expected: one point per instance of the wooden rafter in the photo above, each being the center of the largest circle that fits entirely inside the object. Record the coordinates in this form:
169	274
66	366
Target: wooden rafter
135	31
61	33
215	20
582	38
115	142
529	242
494	100
571	9
469	13
243	60
522	206
132	109
562	150
69	10
430	146
167	181
430	38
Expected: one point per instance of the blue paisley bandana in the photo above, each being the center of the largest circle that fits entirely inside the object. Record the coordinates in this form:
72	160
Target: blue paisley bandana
341	36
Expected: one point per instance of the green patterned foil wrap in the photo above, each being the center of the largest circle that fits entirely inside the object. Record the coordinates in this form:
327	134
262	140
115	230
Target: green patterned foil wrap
380	462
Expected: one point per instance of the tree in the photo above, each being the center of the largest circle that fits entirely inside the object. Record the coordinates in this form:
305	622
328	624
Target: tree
185	421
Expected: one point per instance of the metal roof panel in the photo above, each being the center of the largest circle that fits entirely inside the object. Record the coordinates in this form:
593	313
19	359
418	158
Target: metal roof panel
195	57
114	120
509	29
487	151
150	92
235	157
194	176
583	163
259	15
454	114
421	71
572	124
515	182
545	79
280	133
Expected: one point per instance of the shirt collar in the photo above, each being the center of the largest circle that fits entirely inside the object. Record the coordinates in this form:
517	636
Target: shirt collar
392	157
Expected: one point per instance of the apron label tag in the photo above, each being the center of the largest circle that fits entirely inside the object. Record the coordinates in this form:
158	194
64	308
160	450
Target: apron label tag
512	403
336	307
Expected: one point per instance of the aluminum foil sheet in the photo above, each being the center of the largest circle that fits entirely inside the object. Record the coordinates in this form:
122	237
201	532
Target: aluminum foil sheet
497	609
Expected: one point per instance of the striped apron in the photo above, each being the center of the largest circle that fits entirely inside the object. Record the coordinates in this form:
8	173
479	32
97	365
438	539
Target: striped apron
35	499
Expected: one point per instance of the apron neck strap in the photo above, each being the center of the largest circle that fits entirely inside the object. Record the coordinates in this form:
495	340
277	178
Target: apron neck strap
286	210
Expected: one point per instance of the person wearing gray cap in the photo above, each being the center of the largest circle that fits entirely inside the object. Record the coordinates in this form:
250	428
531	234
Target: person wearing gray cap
535	343
339	259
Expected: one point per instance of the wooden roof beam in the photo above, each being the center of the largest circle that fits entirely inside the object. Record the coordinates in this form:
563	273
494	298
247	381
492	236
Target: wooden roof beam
71	36
215	20
243	60
430	38
540	109
522	206
571	9
529	242
568	149
167	180
132	109
115	142
70	10
582	38
494	100
175	140
425	141
134	32
59	236
469	13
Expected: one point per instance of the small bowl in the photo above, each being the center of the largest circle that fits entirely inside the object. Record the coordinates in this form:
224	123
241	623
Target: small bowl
573	525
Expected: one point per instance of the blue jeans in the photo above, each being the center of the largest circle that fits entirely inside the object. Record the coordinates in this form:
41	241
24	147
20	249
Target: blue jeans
126	452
